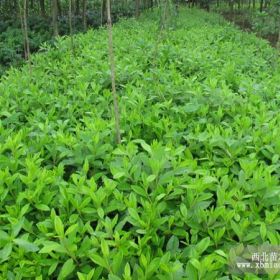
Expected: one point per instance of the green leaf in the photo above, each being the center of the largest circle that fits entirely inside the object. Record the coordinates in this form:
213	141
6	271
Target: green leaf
114	277
90	274
196	264
42	207
154	265
184	210
53	268
173	245
133	213
4	236
104	248
139	190
236	229
191	107
98	260
66	269
145	146
191	271
202	245
263	231
17	227
26	245
24	209
117	262
81	276
143	261
119	175
50	246
86	166
221	253
100	213
58	225
71	229
151	178
5	252
127	271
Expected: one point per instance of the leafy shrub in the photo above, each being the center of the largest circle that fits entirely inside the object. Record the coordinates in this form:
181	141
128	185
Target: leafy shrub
197	172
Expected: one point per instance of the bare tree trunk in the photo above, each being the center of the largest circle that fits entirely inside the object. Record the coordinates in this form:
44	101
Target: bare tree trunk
239	4
42	8
113	73
59	11
164	15
278	41
261	5
103	11
77	7
231	5
54	18
85	14
137	6
23	17
26	5
70	25
15	8
24	27
25	13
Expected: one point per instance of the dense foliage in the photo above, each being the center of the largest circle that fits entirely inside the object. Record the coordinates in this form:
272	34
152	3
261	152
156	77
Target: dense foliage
197	171
47	18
